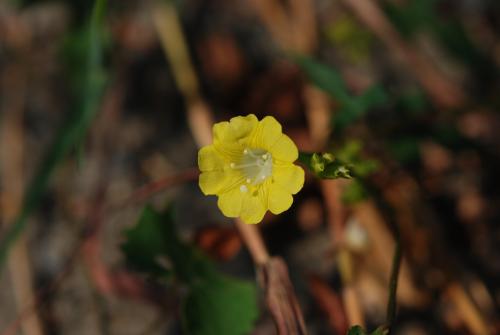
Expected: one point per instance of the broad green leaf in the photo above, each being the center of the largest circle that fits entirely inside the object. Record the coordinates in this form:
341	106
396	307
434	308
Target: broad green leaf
154	237
220	306
71	133
146	242
215	304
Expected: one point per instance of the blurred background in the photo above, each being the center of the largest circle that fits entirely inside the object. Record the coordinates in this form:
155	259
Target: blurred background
104	106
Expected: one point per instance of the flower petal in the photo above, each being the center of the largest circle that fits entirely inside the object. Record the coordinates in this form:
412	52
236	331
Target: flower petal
279	200
284	149
229	137
266	134
217	182
289	176
252	210
220	131
230	202
209	159
242	126
229	151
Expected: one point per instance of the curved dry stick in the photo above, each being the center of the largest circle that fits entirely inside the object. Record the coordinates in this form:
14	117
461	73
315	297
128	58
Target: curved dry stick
145	192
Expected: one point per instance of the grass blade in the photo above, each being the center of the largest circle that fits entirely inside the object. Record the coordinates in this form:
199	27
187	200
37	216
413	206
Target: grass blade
71	133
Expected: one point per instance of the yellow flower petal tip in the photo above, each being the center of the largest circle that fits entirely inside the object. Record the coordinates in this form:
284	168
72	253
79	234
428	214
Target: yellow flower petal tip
250	168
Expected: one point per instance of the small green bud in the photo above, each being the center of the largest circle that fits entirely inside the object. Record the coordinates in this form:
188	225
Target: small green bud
326	165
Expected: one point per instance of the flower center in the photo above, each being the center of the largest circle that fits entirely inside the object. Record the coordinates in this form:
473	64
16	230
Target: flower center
256	165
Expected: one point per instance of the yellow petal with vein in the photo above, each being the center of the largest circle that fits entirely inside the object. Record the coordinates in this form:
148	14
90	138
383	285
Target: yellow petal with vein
242	126
289	176
279	200
266	134
284	149
230	202
217	182
253	209
209	159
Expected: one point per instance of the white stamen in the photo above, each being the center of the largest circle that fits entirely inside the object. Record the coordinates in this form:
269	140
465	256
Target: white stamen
243	189
255	164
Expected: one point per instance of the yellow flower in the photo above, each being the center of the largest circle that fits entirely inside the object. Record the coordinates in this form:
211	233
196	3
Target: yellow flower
250	168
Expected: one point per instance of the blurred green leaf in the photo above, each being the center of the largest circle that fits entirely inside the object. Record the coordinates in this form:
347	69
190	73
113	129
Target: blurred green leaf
351	153
351	107
346	163
325	77
215	304
325	165
372	97
146	242
356	330
71	133
153	237
220	306
380	331
354	192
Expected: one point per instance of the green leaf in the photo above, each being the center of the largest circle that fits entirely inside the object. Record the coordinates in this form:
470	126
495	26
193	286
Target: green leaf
354	192
70	134
351	153
146	243
325	78
356	330
221	306
325	165
155	237
351	107
372	97
380	331
215	304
